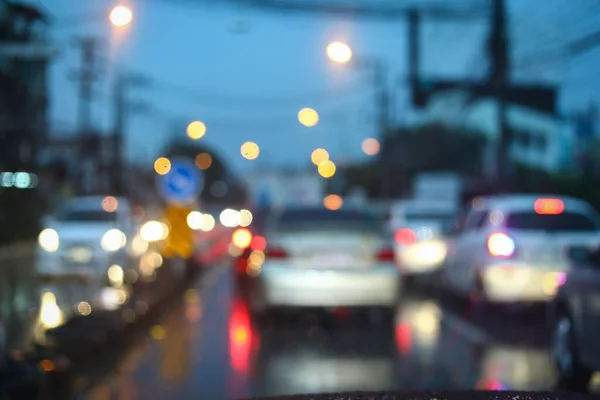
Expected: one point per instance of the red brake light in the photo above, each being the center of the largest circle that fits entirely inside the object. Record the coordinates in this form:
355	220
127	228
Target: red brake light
276	253
549	206
500	245
258	243
386	255
405	236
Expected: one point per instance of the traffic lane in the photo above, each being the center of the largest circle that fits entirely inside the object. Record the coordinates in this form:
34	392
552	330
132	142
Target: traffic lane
209	347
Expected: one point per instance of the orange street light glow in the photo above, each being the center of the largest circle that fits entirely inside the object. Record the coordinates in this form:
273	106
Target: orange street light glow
121	16
318	156
196	130
339	52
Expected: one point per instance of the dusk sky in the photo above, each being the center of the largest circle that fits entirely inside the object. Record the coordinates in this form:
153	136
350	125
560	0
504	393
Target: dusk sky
250	85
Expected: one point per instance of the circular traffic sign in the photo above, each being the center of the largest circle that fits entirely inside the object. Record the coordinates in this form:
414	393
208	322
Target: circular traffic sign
182	184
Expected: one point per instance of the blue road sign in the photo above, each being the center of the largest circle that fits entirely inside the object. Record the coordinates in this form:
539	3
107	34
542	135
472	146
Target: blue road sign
182	184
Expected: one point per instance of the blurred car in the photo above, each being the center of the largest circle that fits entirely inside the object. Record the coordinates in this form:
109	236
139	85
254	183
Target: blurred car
85	237
513	248
322	258
418	227
575	317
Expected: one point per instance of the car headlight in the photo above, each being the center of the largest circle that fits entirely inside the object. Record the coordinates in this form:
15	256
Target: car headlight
113	240
48	240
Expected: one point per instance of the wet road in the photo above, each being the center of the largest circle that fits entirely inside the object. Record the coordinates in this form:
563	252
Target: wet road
207	347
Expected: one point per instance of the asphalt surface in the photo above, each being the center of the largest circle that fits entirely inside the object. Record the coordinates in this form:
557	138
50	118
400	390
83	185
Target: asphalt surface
207	347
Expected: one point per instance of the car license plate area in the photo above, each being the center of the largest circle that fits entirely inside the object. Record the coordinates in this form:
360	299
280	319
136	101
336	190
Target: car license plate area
331	260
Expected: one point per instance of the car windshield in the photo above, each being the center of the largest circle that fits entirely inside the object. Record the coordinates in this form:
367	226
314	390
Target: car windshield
231	199
566	222
82	215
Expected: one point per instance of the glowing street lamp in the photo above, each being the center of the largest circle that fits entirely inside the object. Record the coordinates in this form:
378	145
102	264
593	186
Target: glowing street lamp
339	52
121	16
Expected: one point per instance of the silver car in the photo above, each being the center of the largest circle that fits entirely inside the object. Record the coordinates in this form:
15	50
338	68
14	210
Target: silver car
320	258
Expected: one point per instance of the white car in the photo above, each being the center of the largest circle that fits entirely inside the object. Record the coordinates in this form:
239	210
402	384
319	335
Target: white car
320	258
514	248
85	237
418	227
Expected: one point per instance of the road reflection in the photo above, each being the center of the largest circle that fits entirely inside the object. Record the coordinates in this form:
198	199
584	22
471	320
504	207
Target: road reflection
211	345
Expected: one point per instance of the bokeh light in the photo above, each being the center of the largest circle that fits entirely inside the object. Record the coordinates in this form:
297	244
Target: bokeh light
258	243
370	146
229	218
245	218
308	117
241	238
250	150
195	220
162	165
339	52
110	204
327	169
208	223
196	130
203	161
333	202
318	156
120	16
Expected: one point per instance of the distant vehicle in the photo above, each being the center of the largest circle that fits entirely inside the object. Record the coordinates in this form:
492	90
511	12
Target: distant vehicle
514	248
575	320
418	226
320	258
85	237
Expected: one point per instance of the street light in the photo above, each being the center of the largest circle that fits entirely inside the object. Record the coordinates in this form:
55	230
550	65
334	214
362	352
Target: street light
121	16
339	52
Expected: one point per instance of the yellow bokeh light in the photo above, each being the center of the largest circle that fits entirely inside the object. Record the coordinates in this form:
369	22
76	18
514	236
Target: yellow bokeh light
162	165
318	156
121	16
84	308
110	204
241	238
327	169
196	130
339	52
203	161
333	202
370	146
158	332
250	150
308	117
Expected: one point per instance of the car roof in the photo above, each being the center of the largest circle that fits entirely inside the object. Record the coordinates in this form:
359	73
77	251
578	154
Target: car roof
522	202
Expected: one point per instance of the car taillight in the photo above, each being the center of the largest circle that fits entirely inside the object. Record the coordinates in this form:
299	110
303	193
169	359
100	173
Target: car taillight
405	236
276	253
501	245
386	255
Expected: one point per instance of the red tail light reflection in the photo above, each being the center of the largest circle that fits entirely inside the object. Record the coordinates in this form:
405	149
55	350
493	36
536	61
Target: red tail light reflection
241	338
405	236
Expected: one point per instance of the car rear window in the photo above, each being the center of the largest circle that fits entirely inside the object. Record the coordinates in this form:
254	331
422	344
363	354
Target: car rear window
566	221
325	218
87	216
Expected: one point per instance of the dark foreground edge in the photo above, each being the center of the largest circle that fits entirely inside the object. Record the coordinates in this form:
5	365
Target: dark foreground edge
439	395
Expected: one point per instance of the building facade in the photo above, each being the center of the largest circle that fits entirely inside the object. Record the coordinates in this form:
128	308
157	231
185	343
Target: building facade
539	139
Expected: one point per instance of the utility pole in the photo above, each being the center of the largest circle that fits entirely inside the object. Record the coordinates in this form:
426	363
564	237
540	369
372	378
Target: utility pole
122	109
86	76
498	48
